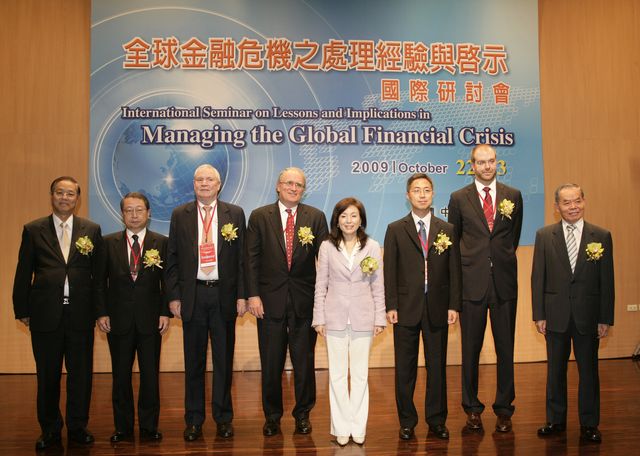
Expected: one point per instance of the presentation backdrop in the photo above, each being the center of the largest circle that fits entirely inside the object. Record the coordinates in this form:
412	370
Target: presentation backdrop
359	94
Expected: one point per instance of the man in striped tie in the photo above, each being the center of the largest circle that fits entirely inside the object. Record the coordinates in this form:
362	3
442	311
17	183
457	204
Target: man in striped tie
572	290
487	216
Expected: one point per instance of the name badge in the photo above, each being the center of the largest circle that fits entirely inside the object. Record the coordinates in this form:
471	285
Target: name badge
207	255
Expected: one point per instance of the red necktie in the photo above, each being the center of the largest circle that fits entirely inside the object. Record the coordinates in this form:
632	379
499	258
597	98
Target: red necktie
288	235
487	207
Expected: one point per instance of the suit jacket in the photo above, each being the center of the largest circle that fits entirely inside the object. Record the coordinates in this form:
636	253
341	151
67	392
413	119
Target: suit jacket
267	273
481	248
128	302
182	258
557	294
404	273
344	294
40	275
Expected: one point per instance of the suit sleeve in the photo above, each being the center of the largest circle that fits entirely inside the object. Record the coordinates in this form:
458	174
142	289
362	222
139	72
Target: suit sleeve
98	267
164	303
607	288
390	269
242	236
517	223
455	274
23	277
102	279
172	273
252	250
537	279
321	230
322	285
377	290
455	217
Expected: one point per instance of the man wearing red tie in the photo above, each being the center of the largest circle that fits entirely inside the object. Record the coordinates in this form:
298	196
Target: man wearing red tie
205	288
487	216
283	240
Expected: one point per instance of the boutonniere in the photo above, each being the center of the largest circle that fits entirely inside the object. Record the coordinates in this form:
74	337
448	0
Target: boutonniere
84	245
594	251
229	232
305	235
368	265
506	208
442	242
152	258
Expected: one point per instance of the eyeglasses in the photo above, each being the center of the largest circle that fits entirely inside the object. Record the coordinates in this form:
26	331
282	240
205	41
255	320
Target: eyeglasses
137	210
422	191
297	185
61	193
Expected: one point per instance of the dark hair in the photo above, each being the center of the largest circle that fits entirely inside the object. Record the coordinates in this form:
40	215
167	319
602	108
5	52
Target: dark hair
136	195
415	177
556	194
335	235
64	178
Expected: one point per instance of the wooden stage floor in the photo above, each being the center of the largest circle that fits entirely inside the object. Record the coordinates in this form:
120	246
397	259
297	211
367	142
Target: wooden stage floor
620	420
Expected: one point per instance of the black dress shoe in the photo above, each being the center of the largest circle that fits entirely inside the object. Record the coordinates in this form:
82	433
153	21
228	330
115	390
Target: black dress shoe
590	433
503	424
225	430
474	421
48	439
303	426
406	433
440	431
270	428
150	435
81	436
550	429
192	433
118	436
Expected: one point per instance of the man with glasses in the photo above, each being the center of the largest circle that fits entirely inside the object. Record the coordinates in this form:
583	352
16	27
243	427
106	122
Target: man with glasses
487	216
54	291
205	288
134	313
280	259
423	295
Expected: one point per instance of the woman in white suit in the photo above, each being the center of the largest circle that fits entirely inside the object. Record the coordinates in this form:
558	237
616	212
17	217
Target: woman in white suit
349	310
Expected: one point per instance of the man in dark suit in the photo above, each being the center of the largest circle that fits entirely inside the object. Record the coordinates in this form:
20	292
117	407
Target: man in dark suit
422	282
572	293
55	286
205	288
282	245
487	216
134	314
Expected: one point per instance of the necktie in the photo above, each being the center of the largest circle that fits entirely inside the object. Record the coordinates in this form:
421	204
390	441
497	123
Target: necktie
487	207
572	247
288	235
134	258
423	242
206	235
65	242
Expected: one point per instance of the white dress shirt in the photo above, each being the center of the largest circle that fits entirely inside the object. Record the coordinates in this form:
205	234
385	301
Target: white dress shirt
56	223
493	192
284	216
213	275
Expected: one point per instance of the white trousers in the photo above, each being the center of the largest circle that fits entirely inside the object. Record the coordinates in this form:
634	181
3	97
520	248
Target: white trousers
349	350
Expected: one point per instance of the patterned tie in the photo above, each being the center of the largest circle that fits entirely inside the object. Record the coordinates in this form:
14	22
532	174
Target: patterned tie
572	247
487	207
206	235
288	235
134	258
65	242
423	242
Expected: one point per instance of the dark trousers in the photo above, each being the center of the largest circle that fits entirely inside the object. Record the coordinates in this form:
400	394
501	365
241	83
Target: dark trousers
406	343
123	348
585	349
208	322
274	335
473	322
50	348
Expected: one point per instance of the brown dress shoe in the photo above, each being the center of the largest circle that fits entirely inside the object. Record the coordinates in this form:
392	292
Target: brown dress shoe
503	424
474	422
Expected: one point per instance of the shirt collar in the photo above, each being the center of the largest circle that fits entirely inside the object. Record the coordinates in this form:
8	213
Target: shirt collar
57	221
284	208
480	186
140	234
579	225
426	220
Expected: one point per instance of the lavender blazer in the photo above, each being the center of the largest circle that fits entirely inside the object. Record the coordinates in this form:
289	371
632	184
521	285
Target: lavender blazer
343	295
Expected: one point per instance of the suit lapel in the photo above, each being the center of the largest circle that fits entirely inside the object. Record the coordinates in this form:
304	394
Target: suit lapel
223	219
301	220
278	229
76	232
122	253
560	246
587	237
412	231
434	229
50	236
474	200
192	227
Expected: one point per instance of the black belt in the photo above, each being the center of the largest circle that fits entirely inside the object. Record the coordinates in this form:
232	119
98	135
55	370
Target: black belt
207	283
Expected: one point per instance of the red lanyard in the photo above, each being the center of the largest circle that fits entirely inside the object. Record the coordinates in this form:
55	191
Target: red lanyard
425	244
206	229
136	258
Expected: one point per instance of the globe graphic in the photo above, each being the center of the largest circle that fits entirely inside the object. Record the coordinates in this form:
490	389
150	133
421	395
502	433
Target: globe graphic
162	172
